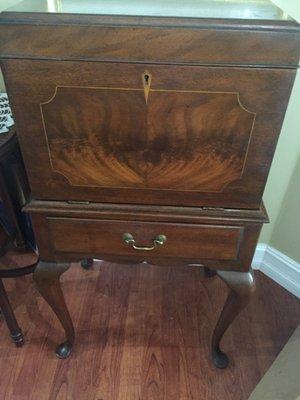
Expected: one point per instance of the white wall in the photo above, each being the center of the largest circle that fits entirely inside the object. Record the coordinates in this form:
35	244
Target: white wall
288	149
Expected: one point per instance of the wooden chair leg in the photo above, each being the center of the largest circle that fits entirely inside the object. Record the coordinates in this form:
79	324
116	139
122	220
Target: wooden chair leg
46	277
242	285
8	314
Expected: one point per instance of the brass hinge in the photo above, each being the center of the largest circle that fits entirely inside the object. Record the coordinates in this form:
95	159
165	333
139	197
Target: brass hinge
78	202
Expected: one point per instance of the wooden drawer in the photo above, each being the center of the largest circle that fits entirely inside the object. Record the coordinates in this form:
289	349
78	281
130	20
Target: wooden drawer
104	237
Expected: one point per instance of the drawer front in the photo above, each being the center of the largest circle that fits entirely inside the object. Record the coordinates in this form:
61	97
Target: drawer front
182	241
147	134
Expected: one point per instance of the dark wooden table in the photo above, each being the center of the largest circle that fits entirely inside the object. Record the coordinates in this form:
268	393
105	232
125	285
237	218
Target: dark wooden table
13	189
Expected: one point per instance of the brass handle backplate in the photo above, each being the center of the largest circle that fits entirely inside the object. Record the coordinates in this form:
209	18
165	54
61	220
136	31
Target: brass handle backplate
129	240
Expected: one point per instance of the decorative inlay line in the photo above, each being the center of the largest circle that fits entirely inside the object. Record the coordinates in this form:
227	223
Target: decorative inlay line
146	81
150	90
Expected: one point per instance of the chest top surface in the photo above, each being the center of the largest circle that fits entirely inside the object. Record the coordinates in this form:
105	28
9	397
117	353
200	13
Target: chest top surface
241	9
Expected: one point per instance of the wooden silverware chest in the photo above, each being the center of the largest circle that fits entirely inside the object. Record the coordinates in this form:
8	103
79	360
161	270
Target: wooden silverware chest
148	139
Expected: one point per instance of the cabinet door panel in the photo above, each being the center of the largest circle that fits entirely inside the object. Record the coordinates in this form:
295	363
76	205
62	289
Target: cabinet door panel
146	133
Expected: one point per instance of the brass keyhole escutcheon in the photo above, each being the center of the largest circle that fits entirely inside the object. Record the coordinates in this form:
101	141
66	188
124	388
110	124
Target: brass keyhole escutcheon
146	78
129	240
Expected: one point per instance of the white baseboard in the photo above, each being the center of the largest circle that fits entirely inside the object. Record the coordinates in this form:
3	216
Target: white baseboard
278	266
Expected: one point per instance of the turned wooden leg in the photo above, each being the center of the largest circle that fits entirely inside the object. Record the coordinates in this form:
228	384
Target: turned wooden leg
242	286
87	263
46	277
8	314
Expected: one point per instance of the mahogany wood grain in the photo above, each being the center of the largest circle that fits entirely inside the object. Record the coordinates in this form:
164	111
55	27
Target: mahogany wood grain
201	215
223	241
143	332
242	288
146	39
118	137
183	240
118	152
46	277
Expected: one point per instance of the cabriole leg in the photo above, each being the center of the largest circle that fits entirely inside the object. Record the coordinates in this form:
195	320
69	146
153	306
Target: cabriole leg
46	277
242	287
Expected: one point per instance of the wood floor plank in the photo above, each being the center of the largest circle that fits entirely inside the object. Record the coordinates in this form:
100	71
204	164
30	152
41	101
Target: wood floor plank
143	333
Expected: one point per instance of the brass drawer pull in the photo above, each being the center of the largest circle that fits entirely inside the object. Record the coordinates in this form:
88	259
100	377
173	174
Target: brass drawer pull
129	240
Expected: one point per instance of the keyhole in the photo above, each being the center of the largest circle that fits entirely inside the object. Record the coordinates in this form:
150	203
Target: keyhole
146	77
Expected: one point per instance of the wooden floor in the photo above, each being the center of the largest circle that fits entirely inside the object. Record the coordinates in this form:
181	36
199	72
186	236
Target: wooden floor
143	333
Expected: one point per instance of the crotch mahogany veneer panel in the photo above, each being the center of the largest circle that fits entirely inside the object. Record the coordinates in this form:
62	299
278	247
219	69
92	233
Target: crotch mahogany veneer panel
148	134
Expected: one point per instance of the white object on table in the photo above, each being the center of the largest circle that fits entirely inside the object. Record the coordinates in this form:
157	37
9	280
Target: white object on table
6	120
